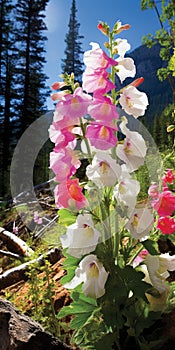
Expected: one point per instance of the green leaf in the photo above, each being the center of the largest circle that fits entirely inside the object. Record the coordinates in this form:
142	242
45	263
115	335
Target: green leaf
66	217
79	320
67	278
79	307
70	264
151	246
134	282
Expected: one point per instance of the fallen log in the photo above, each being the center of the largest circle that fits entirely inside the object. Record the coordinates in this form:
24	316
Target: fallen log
14	243
19	273
10	255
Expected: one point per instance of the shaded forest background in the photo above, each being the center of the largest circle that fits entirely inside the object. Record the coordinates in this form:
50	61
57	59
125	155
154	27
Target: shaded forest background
24	91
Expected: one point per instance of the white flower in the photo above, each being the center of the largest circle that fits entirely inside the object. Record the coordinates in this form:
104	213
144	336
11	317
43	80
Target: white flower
104	170
133	101
125	68
140	223
122	46
133	150
81	237
127	189
158	267
93	275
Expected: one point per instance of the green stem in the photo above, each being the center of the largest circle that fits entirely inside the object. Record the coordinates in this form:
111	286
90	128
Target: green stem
113	93
116	237
135	256
83	128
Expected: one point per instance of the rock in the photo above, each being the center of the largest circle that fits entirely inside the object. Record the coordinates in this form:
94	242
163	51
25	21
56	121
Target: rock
18	331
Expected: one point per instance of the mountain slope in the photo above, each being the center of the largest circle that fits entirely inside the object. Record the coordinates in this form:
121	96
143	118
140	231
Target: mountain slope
147	61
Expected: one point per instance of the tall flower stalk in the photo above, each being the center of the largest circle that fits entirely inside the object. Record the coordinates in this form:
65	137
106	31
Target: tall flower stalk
110	239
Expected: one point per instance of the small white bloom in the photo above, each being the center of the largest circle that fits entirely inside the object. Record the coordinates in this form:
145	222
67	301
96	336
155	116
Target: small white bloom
93	275
127	189
125	68
81	237
133	150
140	223
104	170
133	101
122	46
158	267
90	55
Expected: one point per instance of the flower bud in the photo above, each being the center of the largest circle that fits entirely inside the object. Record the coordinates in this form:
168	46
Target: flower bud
104	28
170	128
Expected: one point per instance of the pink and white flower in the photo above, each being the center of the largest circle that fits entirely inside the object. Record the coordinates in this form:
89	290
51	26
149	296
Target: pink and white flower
133	150
92	274
96	80
125	68
133	101
101	136
74	105
68	194
97	58
104	170
102	109
158	267
140	223
81	237
127	189
64	163
121	47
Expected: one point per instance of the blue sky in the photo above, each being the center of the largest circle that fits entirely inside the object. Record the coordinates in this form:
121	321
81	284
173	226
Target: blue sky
89	13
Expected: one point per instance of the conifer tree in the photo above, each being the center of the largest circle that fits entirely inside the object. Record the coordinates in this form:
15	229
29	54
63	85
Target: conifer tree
73	52
30	39
6	87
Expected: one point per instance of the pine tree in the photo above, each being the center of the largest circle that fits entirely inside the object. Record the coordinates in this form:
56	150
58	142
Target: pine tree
6	87
73	52
22	87
32	92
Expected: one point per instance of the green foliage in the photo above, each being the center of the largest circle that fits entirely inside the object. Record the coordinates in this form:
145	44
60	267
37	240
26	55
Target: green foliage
172	64
66	217
70	264
163	139
41	293
164	36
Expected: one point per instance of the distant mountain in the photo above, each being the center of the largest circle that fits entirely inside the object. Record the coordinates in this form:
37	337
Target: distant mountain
147	61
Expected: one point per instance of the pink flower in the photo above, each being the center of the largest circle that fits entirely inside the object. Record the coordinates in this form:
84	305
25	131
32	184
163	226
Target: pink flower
168	177
64	163
96	80
165	204
61	137
166	224
15	228
153	190
68	194
57	96
101	136
37	219
140	257
102	109
58	85
74	105
97	58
